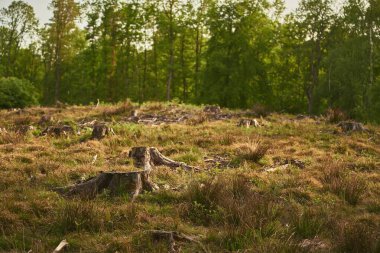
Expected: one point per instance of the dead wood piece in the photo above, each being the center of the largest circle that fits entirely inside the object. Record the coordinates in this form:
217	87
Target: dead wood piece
58	130
45	119
280	161
173	237
147	121
277	168
116	182
212	109
100	131
141	158
84	124
351	126
248	123
159	159
314	244
218	162
24	129
148	157
63	244
134	113
296	162
220	116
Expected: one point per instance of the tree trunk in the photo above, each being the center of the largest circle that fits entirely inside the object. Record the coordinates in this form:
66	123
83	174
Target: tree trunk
57	74
184	81
171	54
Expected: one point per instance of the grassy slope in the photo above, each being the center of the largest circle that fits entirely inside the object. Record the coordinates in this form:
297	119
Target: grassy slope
333	204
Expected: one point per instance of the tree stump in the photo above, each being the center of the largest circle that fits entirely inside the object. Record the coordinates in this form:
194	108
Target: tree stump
117	183
351	126
248	123
131	183
45	119
212	109
58	130
100	131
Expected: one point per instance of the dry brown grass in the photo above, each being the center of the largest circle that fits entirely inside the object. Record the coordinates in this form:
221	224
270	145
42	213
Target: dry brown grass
236	208
349	187
253	150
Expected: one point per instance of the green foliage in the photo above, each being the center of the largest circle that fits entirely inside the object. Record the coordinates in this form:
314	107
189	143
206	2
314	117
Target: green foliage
17	93
233	53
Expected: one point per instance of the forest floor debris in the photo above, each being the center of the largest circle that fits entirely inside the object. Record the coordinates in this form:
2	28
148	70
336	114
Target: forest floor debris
211	175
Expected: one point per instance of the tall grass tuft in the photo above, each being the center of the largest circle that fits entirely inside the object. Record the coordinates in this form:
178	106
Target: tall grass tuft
347	186
253	150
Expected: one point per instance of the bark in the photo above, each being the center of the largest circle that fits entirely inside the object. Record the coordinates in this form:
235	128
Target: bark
58	130
184	81
351	126
173	237
100	131
132	183
117	183
171	53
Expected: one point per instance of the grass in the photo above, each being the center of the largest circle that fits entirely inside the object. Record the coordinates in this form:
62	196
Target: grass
334	200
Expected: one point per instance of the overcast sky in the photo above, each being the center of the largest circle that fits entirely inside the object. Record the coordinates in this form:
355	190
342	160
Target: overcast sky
42	12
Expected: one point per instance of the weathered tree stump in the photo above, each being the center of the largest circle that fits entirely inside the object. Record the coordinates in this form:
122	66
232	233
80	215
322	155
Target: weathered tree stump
131	183
148	157
212	109
117	183
58	130
24	129
45	119
248	123
351	126
100	131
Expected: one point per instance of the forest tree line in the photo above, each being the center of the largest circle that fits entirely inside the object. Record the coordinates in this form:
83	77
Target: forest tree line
235	53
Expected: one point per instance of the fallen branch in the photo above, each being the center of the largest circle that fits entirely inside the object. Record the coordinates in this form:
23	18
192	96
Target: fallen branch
277	168
63	244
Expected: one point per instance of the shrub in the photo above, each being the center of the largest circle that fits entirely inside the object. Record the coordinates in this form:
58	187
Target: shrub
17	93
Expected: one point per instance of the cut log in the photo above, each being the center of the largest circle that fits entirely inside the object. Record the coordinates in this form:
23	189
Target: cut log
351	126
100	131
117	183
